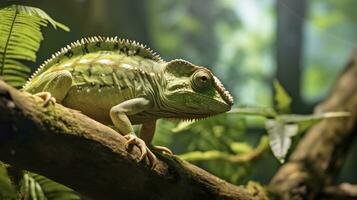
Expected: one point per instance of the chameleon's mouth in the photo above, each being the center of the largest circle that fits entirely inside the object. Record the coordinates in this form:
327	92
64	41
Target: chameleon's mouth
194	119
190	117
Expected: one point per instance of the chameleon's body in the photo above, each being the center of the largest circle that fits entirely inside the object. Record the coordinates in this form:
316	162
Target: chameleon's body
120	82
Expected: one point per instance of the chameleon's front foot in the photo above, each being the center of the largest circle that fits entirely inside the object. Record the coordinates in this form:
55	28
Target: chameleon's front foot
145	151
47	98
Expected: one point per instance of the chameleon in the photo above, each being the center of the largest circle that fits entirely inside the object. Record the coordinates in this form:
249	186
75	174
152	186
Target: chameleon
120	83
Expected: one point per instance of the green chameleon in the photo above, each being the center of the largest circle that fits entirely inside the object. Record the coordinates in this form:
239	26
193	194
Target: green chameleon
121	82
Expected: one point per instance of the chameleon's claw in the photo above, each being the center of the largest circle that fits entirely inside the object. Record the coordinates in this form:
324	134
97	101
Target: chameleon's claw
47	98
162	149
145	151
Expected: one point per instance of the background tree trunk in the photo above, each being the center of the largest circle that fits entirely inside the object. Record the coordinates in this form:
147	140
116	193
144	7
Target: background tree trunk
289	43
319	156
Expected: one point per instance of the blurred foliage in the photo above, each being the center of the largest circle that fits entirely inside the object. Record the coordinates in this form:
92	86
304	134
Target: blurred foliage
7	189
330	35
235	39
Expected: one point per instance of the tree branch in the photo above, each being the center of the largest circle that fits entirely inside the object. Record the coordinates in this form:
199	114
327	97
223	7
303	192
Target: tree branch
343	191
70	148
243	158
319	155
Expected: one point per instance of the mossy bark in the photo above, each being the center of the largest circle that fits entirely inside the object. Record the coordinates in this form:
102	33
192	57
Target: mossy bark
91	158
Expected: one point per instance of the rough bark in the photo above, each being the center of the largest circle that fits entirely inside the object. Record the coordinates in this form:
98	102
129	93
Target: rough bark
319	155
70	148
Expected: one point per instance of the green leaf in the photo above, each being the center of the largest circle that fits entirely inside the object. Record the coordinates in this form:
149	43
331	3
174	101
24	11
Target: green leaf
284	127
20	37
37	187
282	99
280	135
43	15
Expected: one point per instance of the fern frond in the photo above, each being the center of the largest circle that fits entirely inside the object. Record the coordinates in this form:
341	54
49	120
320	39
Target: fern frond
35	186
20	37
43	15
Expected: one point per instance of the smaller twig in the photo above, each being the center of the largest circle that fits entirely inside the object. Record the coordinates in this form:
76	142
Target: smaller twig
258	111
214	155
342	191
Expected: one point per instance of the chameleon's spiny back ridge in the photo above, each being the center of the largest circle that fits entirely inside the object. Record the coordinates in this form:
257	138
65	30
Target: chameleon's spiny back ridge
94	44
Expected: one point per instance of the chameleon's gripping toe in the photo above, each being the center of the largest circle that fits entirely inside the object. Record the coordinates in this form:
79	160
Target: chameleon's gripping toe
162	149
145	151
47	98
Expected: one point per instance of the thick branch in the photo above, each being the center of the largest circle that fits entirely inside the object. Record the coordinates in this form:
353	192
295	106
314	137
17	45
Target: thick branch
89	157
320	154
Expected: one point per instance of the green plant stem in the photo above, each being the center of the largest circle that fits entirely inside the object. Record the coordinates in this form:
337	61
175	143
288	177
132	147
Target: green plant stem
214	155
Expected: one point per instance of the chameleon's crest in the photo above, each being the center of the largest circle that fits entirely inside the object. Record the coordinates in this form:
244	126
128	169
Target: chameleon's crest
180	67
223	92
94	44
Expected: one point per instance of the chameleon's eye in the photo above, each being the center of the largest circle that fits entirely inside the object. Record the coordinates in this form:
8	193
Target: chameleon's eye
201	79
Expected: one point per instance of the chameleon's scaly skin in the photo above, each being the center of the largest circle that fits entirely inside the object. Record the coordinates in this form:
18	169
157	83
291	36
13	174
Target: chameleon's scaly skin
120	82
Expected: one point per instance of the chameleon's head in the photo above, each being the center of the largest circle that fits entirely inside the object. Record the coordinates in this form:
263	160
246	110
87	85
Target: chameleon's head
194	91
